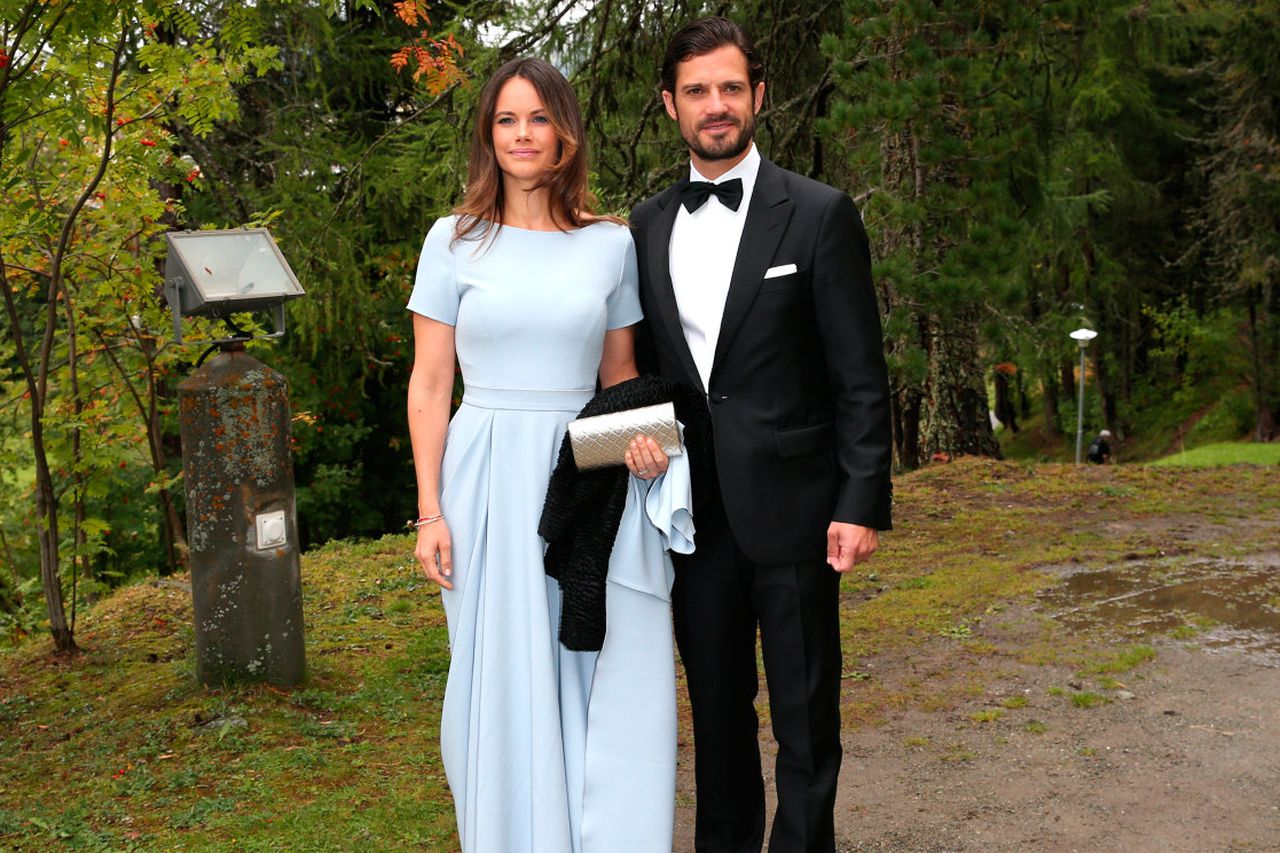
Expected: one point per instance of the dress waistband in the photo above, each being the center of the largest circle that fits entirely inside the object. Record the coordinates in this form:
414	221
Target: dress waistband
528	399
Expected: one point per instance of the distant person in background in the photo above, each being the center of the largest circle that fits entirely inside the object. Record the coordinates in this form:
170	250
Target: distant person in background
1100	449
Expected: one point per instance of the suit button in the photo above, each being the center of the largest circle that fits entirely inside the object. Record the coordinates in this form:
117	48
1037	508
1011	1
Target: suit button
719	398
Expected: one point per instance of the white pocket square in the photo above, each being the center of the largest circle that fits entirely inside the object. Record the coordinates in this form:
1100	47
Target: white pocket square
784	269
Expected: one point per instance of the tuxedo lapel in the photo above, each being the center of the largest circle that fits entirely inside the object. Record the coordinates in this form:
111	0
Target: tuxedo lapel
664	294
767	219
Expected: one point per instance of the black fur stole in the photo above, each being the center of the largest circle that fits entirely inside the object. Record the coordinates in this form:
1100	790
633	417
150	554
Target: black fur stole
583	509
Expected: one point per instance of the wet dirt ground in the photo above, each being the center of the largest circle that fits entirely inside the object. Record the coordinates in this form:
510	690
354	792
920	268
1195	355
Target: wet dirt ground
1180	753
1234	603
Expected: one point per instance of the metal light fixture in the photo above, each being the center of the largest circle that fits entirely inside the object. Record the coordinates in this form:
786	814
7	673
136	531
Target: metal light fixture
1081	336
220	273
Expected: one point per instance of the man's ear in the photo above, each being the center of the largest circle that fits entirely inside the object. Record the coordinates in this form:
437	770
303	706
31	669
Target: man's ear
670	101
759	96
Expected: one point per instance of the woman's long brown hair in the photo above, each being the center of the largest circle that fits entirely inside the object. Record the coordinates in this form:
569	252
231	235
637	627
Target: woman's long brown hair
572	204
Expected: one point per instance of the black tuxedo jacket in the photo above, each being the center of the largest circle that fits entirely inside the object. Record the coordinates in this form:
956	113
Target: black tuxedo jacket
799	391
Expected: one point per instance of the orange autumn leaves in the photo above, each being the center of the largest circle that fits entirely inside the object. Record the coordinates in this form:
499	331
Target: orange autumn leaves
434	60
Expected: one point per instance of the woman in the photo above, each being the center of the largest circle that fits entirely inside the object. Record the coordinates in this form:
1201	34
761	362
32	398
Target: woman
545	749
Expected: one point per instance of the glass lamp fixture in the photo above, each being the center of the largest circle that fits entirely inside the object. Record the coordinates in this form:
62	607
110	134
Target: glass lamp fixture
220	273
1082	336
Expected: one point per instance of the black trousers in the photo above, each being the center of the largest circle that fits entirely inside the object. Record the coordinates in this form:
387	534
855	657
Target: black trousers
719	597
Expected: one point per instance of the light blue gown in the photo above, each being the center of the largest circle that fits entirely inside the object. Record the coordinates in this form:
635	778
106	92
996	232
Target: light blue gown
546	749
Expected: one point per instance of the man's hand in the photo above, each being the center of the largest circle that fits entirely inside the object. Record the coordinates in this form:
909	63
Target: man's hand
850	544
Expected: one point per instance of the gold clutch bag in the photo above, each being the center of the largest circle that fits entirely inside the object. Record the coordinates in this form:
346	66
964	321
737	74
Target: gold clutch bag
602	440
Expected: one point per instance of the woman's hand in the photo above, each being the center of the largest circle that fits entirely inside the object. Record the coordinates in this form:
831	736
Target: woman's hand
645	458
435	553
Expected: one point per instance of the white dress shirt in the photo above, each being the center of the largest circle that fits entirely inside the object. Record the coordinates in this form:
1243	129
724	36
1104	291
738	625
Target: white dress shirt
702	252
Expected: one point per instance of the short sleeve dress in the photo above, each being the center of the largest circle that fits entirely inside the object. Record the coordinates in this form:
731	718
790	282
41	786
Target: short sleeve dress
547	749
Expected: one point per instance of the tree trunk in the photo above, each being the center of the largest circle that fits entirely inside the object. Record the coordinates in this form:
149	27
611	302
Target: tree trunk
899	178
1067	371
1265	345
47	534
907	434
45	494
1271	329
1050	428
79	549
895	424
173	530
1103	384
80	556
1024	399
1006	411
1128	363
12	560
955	419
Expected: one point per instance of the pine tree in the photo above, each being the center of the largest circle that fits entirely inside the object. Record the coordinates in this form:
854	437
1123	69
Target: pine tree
1113	101
930	109
1239	223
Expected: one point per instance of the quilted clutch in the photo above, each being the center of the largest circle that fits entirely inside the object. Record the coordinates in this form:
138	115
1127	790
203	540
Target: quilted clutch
602	440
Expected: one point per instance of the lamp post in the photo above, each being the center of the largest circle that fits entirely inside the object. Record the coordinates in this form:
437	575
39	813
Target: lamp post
234	419
1082	337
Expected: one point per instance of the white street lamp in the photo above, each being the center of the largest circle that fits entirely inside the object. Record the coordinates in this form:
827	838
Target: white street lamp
1081	336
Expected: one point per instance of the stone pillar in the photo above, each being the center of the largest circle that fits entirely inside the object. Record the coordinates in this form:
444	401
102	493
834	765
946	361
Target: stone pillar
241	522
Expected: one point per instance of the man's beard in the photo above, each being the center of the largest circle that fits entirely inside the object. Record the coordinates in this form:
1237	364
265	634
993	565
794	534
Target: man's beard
727	147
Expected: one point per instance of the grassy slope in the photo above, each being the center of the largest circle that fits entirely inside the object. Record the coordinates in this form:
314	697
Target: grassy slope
1225	453
1217	413
111	750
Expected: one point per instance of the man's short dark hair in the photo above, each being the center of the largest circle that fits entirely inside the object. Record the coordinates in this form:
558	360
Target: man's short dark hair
703	36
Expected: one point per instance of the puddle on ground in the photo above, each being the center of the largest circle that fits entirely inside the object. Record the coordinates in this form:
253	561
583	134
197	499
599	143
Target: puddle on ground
1221	605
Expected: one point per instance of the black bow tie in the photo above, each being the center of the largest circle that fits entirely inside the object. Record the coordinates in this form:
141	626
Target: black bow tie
694	194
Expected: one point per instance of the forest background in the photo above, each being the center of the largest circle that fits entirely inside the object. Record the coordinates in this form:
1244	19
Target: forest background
1023	168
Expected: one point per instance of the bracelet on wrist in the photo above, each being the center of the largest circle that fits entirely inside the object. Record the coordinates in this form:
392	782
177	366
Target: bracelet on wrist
428	519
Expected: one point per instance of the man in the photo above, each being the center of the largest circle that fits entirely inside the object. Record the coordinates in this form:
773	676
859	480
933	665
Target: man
1100	448
764	303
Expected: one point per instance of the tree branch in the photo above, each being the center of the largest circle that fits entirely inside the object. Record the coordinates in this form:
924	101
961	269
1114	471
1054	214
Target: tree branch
69	222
